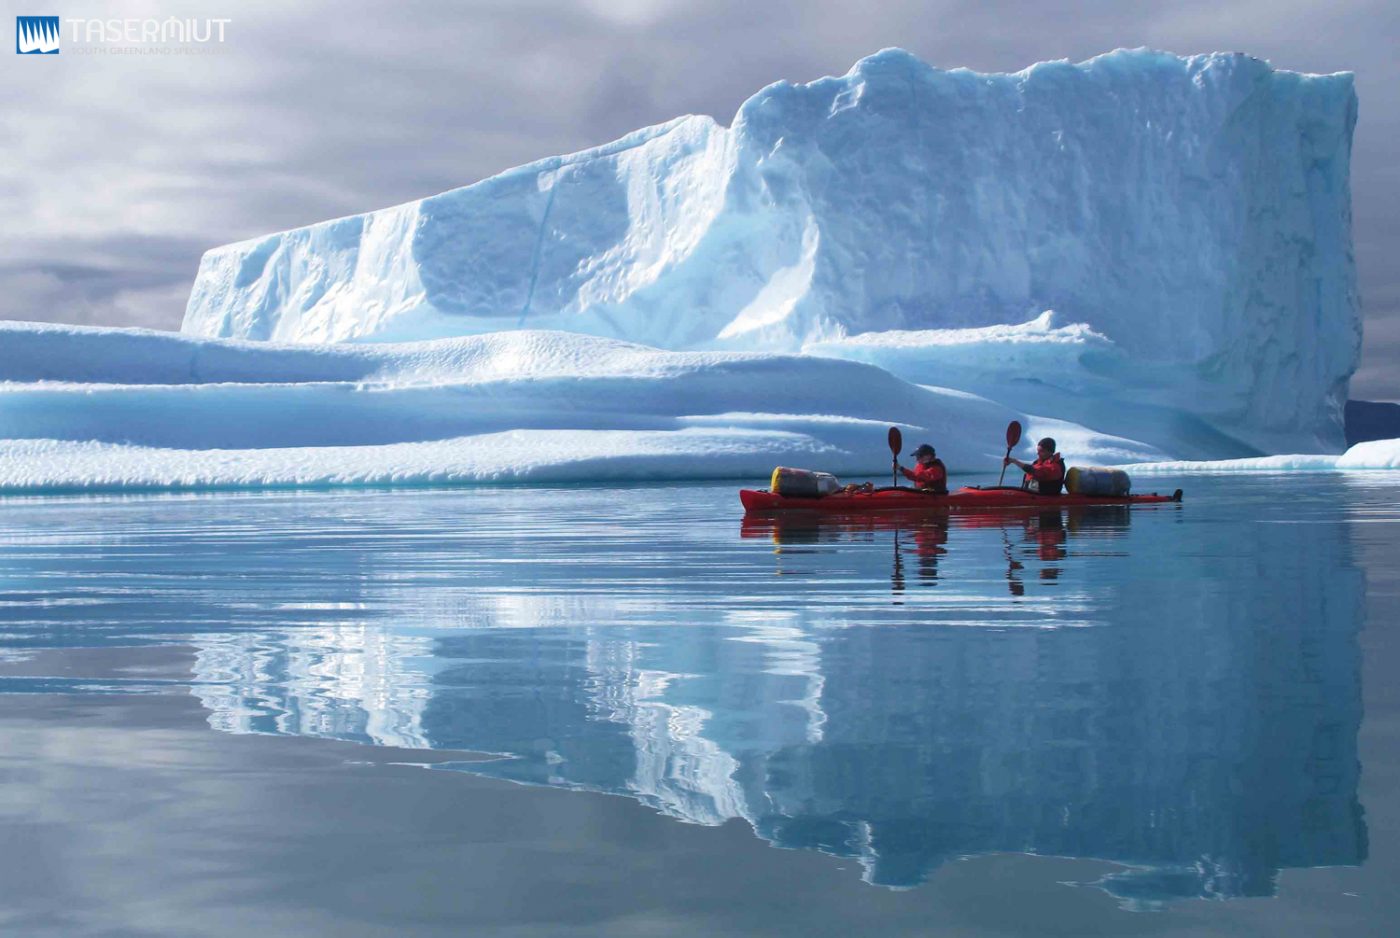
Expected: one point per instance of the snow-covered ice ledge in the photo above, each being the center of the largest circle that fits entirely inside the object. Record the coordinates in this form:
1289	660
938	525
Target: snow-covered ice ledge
86	409
1375	454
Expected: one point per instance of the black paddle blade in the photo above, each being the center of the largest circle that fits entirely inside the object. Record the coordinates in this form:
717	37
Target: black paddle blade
1013	434
897	441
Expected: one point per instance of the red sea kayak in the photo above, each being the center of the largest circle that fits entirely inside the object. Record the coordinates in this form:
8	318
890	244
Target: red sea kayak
906	499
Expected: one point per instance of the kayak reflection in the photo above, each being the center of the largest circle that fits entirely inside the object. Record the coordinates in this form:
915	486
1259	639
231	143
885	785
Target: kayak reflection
1032	540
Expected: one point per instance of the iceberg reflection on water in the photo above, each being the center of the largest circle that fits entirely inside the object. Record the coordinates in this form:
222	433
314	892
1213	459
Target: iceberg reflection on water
1182	699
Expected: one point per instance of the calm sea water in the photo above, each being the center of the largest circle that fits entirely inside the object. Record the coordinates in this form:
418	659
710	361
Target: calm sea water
581	710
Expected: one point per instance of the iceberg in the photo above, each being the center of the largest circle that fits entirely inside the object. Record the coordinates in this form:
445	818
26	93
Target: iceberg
1186	219
1145	256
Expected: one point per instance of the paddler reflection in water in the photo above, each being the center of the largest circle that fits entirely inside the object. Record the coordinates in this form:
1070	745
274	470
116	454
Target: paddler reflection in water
929	474
1047	474
1045	536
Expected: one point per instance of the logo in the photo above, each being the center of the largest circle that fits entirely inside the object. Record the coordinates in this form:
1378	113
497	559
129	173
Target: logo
36	35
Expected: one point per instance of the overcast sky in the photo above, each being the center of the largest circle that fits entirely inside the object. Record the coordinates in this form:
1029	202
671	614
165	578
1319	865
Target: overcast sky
117	173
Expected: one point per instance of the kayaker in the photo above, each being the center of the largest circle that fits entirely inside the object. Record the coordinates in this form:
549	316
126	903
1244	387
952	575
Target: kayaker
929	474
1047	474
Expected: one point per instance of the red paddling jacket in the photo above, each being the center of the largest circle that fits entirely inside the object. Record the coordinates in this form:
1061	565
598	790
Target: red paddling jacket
933	477
1048	474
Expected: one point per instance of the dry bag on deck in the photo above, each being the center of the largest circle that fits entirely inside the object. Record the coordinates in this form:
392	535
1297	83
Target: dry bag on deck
802	483
1096	480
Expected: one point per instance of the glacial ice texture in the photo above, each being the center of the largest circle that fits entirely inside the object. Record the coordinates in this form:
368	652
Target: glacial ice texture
91	408
1187	218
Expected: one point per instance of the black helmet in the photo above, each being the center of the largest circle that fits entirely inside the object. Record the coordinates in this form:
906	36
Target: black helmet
924	448
1048	443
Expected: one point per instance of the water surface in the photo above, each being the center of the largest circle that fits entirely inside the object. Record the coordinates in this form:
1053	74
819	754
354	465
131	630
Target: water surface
1083	718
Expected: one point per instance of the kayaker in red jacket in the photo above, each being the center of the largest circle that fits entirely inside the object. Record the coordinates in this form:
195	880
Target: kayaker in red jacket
930	474
1047	474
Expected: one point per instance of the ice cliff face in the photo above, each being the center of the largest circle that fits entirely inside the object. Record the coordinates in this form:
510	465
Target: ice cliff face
1192	215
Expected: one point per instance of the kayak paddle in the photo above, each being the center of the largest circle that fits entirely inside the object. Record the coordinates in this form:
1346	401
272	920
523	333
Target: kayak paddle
897	444
1013	436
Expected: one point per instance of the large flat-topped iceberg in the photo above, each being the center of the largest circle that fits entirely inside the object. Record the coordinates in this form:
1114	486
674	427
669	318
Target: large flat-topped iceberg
1192	214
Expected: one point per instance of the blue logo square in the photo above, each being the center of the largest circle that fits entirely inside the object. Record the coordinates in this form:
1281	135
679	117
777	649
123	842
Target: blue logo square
36	35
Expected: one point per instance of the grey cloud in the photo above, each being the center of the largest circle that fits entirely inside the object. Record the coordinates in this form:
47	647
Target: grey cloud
85	296
132	280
